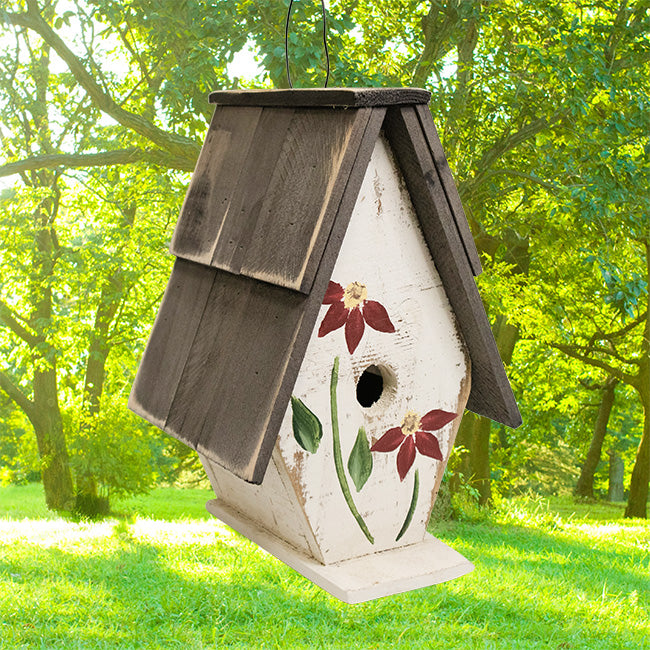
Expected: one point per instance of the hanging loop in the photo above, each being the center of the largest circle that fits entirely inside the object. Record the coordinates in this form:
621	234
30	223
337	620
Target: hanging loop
286	42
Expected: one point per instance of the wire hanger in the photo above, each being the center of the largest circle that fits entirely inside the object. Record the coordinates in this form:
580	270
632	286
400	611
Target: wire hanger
286	42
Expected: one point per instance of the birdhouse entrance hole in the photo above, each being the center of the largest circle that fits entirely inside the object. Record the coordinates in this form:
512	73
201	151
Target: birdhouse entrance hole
370	386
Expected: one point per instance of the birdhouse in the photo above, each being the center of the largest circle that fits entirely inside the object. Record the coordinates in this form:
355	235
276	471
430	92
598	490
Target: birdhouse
321	333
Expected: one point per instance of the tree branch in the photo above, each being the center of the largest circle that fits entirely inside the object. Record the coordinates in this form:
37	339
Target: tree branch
608	336
17	395
501	147
627	62
610	382
177	144
573	351
117	157
530	177
612	353
10	321
513	140
437	27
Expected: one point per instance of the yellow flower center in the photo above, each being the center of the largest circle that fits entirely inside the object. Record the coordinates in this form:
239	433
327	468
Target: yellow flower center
354	294
410	423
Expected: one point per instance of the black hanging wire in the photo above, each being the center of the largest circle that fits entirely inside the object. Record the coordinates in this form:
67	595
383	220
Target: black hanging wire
286	42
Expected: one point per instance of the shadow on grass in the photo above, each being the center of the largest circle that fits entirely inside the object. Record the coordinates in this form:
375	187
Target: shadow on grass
530	590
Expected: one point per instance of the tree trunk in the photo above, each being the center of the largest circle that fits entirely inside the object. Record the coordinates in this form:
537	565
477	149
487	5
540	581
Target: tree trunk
585	485
616	490
474	464
475	433
461	467
46	419
46	416
88	501
52	449
637	502
480	458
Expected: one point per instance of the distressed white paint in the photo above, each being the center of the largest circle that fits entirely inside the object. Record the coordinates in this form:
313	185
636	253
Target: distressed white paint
359	579
273	505
385	250
424	363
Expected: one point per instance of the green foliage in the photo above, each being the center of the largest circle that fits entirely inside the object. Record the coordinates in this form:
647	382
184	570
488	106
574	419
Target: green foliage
623	294
19	462
180	50
120	454
463	504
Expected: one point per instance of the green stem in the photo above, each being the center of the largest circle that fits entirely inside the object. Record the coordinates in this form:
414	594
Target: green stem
338	458
414	500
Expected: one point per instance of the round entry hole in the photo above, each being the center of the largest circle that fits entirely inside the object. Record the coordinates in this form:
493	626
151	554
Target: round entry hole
370	386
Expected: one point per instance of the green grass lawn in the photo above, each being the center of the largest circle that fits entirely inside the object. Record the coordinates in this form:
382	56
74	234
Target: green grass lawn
165	575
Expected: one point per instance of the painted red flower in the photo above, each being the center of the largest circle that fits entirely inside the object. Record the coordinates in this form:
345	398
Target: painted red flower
351	307
414	434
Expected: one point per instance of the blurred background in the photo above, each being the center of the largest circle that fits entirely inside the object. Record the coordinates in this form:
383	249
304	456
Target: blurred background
543	111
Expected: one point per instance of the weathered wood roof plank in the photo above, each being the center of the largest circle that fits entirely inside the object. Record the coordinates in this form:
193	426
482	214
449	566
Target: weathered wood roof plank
450	189
323	97
212	189
167	351
263	197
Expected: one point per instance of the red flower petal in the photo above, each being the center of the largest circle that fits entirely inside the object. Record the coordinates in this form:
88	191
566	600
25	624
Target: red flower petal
436	419
405	457
354	329
390	441
335	317
427	444
333	294
377	317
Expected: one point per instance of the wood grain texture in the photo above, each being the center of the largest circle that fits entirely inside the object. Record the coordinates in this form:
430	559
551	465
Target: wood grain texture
302	196
305	97
323	275
265	191
236	360
449	187
273	505
212	188
239	223
169	343
491	394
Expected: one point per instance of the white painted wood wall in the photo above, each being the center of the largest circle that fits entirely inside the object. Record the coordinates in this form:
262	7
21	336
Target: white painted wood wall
425	366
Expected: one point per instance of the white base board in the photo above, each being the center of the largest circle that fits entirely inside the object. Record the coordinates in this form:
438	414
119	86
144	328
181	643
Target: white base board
363	578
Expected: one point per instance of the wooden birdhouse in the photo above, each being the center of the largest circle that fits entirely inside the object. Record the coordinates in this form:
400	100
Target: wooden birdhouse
322	334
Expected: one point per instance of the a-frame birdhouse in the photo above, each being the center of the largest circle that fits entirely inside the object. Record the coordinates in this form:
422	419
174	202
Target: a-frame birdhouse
322	334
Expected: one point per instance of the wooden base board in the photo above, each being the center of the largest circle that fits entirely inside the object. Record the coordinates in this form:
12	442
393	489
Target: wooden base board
363	578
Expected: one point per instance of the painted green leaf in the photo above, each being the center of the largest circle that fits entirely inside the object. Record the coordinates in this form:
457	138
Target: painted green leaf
307	429
360	461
